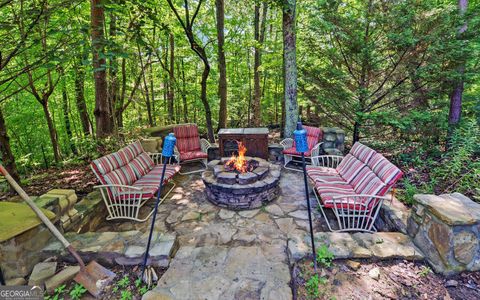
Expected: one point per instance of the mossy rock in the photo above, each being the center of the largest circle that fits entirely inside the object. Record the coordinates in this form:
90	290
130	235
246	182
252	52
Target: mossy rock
16	218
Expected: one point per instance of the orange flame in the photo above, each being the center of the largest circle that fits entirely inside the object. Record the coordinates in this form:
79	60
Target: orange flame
239	162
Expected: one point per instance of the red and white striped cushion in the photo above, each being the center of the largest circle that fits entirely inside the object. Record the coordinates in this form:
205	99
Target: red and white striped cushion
369	185
323	174
142	164
192	155
293	151
314	135
106	164
188	139
362	152
135	149
384	169
349	167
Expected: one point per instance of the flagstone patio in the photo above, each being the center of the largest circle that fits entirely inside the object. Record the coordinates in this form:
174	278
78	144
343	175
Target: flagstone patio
224	254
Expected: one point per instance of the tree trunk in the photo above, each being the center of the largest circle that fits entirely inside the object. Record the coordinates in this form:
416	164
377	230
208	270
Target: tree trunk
171	79
8	159
184	95
113	80
222	67
80	98
102	117
259	39
66	118
290	67
51	130
457	93
121	100
203	97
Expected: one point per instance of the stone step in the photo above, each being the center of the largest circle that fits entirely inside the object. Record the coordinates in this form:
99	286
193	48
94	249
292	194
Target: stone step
225	272
124	248
379	245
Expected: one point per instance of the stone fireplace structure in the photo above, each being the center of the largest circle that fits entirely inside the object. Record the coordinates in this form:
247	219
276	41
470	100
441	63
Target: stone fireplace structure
238	191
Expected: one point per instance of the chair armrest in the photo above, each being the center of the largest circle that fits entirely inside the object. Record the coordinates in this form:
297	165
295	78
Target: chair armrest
370	198
316	149
158	158
328	161
176	154
204	144
118	186
287	143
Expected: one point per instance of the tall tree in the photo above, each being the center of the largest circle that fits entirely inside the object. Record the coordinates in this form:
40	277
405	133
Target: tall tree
79	69
289	67
222	66
187	26
457	93
171	79
259	33
104	126
8	159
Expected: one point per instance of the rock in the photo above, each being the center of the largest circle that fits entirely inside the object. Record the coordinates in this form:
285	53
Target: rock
191	215
451	210
61	277
248	213
451	283
354	265
16	281
41	272
299	214
465	245
440	235
134	251
374	273
158	294
286	225
274	209
226	214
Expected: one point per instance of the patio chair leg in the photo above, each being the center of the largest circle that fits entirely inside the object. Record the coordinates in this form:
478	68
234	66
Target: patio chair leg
203	161
321	209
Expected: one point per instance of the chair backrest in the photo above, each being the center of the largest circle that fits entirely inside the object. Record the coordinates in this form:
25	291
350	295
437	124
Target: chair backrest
123	167
367	171
314	136
188	138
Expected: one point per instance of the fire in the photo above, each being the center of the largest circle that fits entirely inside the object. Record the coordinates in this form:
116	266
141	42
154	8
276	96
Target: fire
239	162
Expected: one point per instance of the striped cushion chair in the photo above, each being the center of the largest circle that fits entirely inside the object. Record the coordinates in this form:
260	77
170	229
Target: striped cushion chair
190	147
355	189
314	136
129	177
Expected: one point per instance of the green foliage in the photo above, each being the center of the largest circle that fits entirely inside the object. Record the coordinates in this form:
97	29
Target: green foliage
57	293
324	256
424	271
126	295
77	292
312	286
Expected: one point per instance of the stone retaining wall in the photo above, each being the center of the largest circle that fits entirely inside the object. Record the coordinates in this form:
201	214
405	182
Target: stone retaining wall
447	229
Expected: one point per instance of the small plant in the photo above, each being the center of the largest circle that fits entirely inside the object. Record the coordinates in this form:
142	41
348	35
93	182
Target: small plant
58	292
77	292
324	256
312	286
126	295
124	282
143	290
424	271
138	283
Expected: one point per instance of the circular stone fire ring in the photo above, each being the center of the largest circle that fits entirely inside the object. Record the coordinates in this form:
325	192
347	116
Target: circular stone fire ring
237	191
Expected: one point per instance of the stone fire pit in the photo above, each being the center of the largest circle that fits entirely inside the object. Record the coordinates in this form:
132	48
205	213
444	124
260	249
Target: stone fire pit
237	191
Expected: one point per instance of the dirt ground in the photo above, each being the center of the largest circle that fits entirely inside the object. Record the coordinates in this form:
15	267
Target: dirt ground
397	280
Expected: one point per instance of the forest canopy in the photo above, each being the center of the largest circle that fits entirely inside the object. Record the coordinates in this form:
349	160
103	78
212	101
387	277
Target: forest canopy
400	75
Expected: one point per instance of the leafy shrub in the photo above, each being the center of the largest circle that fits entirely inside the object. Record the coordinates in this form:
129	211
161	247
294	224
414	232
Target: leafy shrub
324	256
